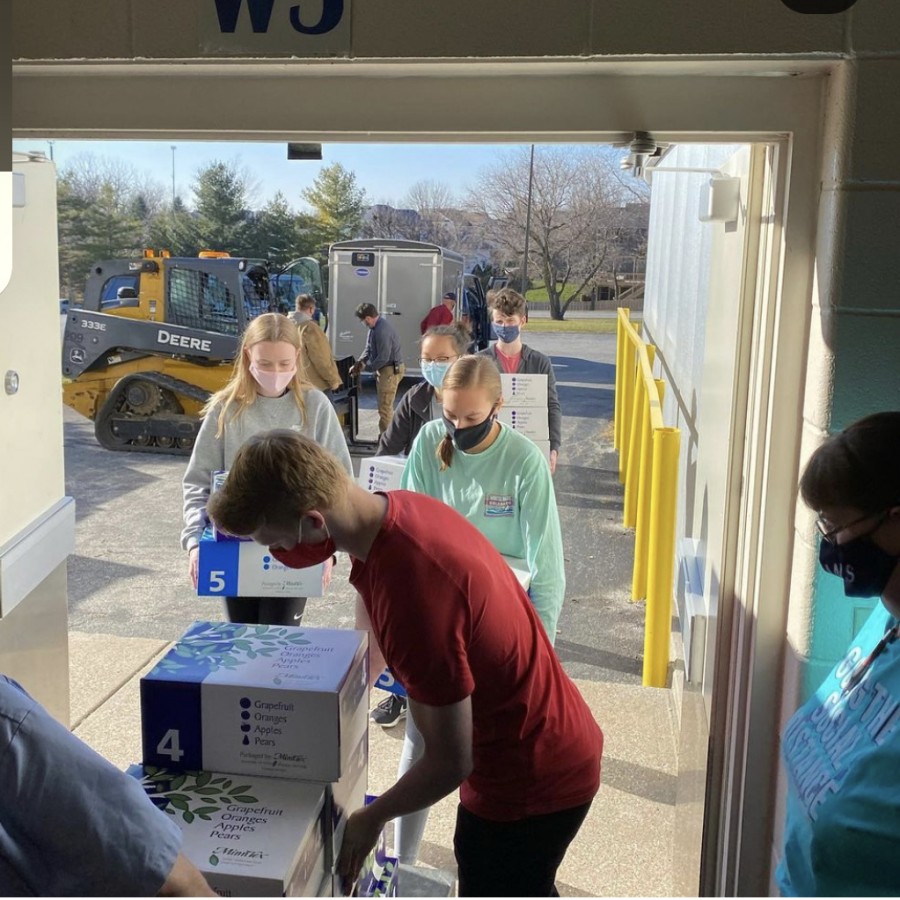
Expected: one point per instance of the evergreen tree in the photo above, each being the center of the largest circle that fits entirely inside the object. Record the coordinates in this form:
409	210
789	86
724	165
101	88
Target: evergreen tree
94	225
337	205
174	230
273	232
220	194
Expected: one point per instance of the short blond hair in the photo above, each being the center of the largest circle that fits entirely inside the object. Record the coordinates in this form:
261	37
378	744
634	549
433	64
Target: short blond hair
276	477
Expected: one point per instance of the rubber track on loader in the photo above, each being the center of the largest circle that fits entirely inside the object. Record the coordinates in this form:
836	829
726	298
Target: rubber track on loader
182	428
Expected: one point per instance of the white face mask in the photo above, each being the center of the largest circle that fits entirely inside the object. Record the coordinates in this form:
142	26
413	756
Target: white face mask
272	382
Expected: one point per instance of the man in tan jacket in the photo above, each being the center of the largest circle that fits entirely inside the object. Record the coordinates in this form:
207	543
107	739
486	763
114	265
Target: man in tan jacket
320	369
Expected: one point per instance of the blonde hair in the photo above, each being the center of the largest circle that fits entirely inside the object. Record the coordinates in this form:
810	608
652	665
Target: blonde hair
242	390
304	301
276	476
469	372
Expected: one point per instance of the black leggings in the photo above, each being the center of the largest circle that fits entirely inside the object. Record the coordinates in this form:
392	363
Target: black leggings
513	859
265	610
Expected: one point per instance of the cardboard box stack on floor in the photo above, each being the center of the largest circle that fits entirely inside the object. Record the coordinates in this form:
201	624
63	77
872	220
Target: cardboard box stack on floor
255	740
525	408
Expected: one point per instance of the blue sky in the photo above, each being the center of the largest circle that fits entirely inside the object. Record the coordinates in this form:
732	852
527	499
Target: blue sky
386	171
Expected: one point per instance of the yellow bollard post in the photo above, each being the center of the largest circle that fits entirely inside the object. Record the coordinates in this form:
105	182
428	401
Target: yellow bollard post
629	517
642	525
664	493
627	402
622	342
617	414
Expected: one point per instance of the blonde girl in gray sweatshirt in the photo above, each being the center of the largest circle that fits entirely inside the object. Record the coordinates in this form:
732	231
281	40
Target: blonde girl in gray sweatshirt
267	390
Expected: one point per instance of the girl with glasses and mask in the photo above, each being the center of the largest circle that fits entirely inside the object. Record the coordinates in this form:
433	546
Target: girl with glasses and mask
842	748
499	481
441	346
266	390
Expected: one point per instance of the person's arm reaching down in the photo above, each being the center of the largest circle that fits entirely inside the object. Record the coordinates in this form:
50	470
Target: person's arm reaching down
445	764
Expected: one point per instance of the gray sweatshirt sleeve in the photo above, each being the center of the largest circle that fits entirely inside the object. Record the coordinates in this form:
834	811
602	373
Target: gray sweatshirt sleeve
554	412
323	427
208	457
536	363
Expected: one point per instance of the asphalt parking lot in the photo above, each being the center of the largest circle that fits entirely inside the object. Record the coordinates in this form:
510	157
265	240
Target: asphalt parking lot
129	576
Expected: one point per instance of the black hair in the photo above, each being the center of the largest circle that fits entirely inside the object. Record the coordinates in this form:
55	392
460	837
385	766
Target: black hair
456	332
858	467
364	310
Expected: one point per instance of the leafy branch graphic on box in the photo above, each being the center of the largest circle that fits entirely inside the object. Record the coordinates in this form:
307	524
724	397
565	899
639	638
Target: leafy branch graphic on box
193	795
210	646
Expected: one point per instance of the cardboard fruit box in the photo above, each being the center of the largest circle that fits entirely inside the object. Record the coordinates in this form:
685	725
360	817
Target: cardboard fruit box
271	700
524	390
531	421
249	836
381	473
229	567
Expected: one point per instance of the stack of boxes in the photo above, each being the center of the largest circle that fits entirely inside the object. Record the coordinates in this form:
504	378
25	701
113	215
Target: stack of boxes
255	740
525	408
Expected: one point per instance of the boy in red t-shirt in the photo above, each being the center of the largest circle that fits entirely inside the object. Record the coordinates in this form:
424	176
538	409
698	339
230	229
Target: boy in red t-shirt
500	718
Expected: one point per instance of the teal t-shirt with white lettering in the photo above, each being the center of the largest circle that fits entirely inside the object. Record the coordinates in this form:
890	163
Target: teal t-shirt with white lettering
506	492
842	755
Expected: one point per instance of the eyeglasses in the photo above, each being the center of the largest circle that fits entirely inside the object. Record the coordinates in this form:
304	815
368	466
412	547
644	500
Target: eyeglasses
828	534
438	359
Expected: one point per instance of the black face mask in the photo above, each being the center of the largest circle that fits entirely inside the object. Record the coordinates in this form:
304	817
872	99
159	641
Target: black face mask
466	439
864	567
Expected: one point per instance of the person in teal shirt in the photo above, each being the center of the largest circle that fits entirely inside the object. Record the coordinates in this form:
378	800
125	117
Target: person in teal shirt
495	477
499	481
842	748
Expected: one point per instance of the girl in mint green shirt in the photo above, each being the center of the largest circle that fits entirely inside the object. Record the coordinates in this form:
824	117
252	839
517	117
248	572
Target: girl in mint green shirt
495	477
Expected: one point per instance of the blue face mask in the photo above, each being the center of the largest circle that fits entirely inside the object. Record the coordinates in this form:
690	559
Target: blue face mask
505	333
434	372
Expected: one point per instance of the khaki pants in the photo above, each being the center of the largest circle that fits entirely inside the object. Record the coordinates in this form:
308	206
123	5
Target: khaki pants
386	383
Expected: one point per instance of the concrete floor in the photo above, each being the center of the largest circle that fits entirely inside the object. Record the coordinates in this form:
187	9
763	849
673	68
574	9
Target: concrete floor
624	848
129	597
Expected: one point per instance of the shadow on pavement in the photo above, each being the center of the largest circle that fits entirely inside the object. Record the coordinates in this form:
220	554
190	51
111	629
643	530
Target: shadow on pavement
570	652
86	576
588	488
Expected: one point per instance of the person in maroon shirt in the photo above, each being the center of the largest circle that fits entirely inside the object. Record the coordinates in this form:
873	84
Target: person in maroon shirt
500	718
442	314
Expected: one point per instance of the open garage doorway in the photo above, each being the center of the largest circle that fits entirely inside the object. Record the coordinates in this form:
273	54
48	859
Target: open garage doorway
760	331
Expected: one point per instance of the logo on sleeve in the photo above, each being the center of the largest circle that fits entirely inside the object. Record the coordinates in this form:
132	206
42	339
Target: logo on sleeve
499	505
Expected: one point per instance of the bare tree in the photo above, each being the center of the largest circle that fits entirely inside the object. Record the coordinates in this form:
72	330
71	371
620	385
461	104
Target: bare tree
384	220
577	214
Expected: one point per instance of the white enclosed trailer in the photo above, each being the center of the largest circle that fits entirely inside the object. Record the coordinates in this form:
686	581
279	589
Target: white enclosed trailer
403	279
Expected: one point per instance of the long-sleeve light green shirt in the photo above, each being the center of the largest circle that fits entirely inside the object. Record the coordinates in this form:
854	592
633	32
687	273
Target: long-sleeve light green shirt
506	492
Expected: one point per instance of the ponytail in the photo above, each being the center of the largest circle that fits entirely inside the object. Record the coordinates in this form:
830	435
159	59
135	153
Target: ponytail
445	453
